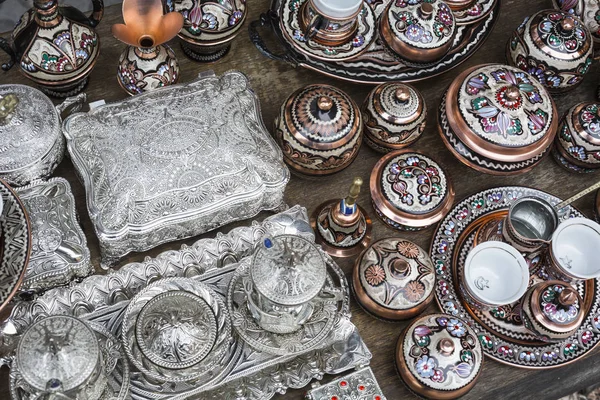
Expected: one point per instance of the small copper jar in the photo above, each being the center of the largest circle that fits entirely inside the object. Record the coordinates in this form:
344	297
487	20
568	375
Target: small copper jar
394	115
393	279
417	31
497	119
460	5
577	145
439	357
553	46
410	191
587	10
551	310
319	130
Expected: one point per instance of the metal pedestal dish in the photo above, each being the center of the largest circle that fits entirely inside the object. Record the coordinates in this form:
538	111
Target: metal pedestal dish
376	64
500	330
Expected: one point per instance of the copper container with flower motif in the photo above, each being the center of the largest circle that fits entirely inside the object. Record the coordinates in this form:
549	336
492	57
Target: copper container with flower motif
587	10
56	47
418	31
209	27
553	46
319	129
393	279
395	116
577	144
551	310
439	356
497	119
460	5
410	191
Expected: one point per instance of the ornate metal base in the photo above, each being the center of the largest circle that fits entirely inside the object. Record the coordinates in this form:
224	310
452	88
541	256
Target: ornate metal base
65	91
205	57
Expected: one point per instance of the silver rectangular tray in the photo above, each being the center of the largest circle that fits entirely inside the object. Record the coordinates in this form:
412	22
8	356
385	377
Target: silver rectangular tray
250	374
174	163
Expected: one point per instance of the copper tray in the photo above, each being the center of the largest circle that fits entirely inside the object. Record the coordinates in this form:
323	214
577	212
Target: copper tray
377	64
500	330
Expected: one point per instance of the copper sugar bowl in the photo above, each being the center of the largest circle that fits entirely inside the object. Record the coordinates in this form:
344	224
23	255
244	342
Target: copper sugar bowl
587	10
418	31
410	191
553	46
56	47
395	116
497	119
319	129
577	144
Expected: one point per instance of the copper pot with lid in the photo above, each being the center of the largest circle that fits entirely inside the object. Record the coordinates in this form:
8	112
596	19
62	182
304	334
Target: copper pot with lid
497	119
418	31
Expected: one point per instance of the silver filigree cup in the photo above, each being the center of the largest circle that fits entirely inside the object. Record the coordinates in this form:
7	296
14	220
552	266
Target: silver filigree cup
287	277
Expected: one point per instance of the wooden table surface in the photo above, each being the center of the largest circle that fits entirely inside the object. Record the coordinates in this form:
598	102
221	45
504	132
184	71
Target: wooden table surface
273	82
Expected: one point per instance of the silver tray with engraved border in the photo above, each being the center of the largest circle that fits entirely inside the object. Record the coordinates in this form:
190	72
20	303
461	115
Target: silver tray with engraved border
174	163
246	373
59	251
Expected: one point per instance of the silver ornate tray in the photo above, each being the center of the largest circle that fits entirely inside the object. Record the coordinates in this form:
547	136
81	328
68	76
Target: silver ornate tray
377	64
500	330
245	372
59	249
176	162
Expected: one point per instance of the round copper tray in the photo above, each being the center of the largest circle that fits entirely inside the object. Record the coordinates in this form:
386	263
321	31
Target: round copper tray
501	331
377	64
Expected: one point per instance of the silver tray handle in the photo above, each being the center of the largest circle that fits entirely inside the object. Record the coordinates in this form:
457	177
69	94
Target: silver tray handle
8	342
71	104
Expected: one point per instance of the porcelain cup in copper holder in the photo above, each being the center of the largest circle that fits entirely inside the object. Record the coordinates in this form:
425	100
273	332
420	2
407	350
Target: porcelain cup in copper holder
330	22
494	274
573	253
529	225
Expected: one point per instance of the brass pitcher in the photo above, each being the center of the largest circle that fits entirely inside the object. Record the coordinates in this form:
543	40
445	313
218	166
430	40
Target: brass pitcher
56	47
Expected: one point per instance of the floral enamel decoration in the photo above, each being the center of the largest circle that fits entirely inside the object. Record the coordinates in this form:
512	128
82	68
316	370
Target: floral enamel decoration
587	10
577	146
439	354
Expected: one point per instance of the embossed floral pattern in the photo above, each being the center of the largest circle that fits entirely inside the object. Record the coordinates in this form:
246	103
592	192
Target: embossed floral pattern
408	249
426	366
554	36
414	291
375	275
456	328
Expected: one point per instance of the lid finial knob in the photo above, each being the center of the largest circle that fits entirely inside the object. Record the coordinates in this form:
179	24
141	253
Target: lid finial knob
426	10
446	347
325	103
567	297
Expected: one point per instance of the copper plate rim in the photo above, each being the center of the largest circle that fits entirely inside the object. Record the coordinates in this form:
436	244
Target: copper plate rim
417	386
378	310
342	252
15	290
500	360
481	146
401	217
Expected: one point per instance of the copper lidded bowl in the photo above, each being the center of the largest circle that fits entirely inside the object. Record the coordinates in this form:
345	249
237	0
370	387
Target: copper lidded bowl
410	191
319	130
577	144
418	31
439	356
497	119
554	47
587	10
393	279
551	310
394	115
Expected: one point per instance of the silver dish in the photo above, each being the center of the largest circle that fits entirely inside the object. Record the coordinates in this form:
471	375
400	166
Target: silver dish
115	369
32	141
359	384
59	249
157	332
246	373
175	163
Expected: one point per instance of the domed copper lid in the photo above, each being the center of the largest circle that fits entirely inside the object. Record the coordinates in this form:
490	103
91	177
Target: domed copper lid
410	190
559	34
417	30
439	357
501	113
579	135
553	307
393	279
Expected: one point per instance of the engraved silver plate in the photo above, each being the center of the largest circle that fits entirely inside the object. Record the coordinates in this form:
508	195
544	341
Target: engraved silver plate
59	249
244	373
358	385
175	163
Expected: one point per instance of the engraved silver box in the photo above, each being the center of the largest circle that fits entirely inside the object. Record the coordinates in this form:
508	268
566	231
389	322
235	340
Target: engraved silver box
59	251
174	163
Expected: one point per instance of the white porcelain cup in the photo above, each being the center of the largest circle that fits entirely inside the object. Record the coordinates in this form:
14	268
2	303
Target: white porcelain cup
575	250
494	274
338	9
331	22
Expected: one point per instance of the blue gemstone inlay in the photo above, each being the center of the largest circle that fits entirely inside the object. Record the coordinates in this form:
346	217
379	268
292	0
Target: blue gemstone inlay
268	243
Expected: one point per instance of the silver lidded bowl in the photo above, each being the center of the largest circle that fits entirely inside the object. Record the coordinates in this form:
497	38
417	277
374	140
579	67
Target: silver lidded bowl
288	273
30	127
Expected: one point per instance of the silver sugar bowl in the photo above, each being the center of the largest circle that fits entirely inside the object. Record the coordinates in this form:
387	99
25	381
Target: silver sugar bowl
59	357
287	278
